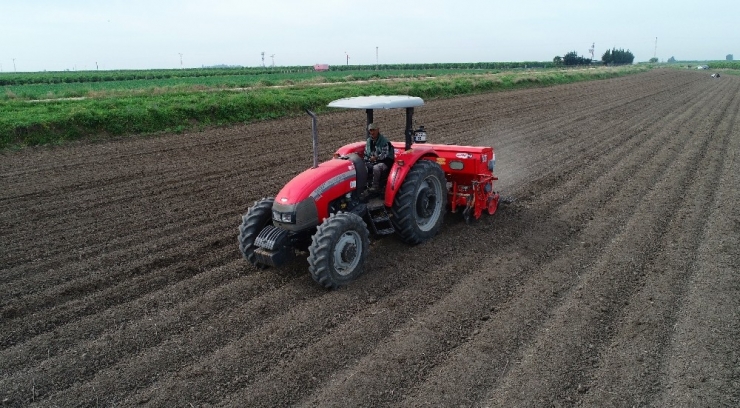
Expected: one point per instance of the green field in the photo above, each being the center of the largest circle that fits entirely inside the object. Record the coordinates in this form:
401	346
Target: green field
51	108
34	88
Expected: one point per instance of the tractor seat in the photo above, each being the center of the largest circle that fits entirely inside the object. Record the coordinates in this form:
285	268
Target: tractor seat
361	171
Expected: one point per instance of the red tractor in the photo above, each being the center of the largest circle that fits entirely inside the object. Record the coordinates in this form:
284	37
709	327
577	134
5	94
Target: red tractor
325	210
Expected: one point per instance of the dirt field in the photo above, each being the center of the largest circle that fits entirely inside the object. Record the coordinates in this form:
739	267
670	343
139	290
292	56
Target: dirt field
611	279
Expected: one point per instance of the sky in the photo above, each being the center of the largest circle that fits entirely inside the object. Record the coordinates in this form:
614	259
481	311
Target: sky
58	35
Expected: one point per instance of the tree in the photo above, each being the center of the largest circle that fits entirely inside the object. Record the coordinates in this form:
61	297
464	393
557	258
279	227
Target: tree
653	60
617	57
671	60
607	57
558	60
572	58
729	57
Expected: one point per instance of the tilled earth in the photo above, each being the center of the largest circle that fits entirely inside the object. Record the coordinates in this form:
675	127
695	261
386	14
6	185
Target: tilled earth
610	278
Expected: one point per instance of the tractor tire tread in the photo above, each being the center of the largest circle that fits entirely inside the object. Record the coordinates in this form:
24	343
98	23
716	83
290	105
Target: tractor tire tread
327	233
256	218
403	205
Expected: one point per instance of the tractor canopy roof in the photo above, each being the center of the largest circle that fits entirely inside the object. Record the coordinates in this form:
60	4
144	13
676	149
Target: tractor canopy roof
377	102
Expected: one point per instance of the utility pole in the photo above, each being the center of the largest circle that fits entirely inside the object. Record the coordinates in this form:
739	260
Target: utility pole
376	57
180	59
273	60
655	55
263	59
14	70
345	53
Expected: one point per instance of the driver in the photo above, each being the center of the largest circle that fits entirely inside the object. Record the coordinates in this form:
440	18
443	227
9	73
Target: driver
378	156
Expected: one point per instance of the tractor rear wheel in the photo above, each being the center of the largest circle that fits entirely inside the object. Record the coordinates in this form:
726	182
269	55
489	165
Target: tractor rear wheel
420	203
338	250
253	222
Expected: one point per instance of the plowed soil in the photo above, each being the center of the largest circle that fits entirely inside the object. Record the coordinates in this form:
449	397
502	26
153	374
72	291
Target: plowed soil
609	279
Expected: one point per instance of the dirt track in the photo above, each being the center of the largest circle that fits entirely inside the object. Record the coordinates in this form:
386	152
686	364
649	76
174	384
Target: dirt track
610	280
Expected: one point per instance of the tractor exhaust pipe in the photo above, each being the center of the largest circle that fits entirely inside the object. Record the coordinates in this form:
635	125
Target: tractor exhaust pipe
409	131
315	136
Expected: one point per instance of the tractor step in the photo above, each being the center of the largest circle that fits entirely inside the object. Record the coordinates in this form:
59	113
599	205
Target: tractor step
387	231
380	222
379	217
375	203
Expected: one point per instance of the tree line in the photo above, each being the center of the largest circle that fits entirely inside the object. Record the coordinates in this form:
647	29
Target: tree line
610	57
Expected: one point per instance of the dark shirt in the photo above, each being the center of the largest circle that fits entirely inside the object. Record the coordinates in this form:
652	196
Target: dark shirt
381	149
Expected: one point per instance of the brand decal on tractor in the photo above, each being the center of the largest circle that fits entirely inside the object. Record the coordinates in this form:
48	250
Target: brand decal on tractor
331	183
464	156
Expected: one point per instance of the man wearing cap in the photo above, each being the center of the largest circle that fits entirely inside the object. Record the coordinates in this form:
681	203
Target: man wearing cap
378	156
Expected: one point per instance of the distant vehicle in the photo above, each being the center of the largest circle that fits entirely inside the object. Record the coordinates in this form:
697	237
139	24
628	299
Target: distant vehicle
321	67
703	67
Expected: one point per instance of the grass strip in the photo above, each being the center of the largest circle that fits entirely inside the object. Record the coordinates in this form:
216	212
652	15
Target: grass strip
174	109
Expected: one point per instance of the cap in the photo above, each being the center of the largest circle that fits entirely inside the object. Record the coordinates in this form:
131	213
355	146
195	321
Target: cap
372	126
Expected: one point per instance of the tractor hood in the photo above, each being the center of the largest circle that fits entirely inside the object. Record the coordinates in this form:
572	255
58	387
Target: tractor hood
295	207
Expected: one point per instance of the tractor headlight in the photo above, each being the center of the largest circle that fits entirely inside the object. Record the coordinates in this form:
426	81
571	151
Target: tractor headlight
287	217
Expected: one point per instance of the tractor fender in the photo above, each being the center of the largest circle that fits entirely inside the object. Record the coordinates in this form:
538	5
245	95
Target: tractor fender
346	150
404	161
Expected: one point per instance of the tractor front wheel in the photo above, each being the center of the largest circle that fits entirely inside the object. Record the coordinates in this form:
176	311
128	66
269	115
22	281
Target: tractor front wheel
419	205
338	250
253	222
